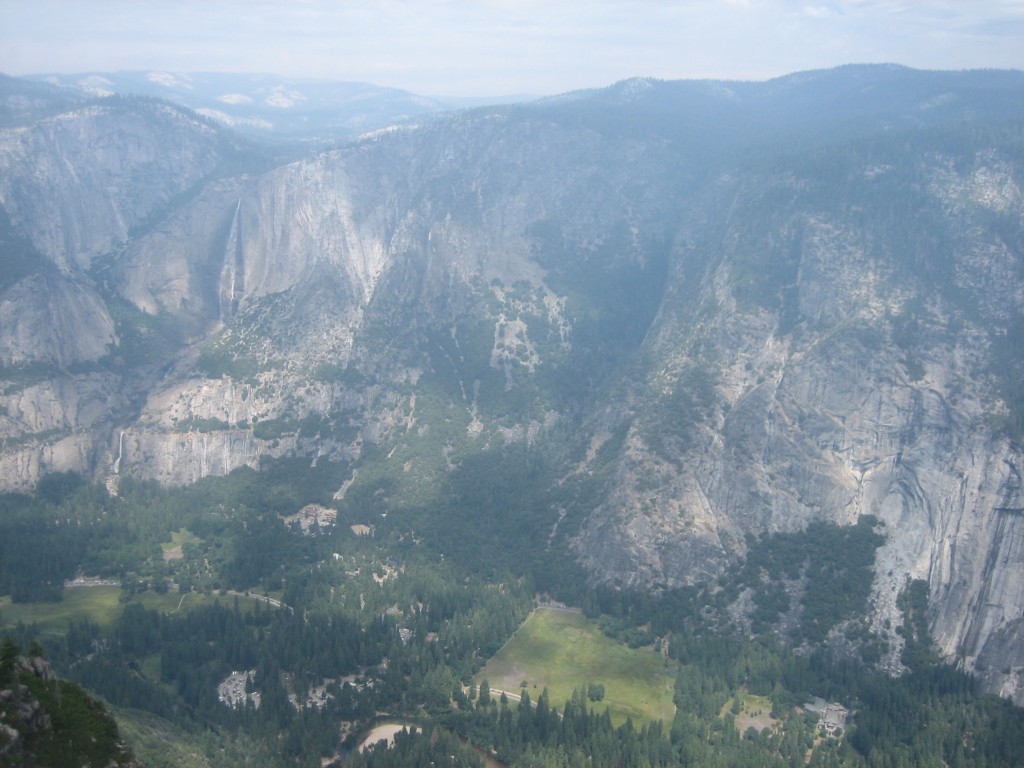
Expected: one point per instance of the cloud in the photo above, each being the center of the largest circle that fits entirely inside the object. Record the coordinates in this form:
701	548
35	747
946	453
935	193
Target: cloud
820	12
235	98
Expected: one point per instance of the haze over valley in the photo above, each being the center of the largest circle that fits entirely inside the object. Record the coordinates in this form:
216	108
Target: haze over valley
312	392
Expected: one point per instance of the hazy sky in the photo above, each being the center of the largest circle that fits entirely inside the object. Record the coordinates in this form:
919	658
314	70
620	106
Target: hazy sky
492	47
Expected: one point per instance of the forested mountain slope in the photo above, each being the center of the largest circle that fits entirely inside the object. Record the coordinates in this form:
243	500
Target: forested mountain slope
731	307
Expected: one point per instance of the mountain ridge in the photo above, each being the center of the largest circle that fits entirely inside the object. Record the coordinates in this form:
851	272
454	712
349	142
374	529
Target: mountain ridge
270	107
748	315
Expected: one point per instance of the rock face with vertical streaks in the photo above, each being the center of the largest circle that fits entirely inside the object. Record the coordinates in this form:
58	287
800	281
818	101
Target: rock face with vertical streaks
740	308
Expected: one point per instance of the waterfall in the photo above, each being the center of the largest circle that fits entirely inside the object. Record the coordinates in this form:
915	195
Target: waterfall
229	272
120	453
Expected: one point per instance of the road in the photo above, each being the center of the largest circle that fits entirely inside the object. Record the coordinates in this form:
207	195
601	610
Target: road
261	598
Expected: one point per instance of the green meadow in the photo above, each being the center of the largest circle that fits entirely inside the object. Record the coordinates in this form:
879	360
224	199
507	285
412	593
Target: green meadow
750	711
101	604
173	549
561	651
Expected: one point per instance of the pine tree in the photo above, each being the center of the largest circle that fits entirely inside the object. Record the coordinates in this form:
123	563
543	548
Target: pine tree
9	651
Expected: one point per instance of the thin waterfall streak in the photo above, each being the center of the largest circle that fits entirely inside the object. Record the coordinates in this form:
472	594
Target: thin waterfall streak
229	272
120	453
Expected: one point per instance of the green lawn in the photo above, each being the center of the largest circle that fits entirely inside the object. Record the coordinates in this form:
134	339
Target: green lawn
562	651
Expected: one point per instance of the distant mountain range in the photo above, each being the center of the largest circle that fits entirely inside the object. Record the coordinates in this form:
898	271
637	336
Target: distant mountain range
272	107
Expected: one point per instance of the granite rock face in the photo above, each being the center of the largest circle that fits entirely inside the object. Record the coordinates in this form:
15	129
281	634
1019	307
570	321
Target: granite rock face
758	305
78	183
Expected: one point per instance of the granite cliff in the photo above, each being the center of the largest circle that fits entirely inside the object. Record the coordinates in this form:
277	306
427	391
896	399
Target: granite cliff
753	305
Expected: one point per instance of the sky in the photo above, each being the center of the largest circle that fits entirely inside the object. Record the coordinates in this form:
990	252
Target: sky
498	47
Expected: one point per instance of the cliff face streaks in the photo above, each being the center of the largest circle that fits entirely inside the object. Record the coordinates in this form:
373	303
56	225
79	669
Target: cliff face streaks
746	313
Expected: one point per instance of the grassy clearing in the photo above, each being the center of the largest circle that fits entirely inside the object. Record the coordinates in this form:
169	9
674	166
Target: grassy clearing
151	666
562	651
172	602
754	712
100	604
172	549
97	603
